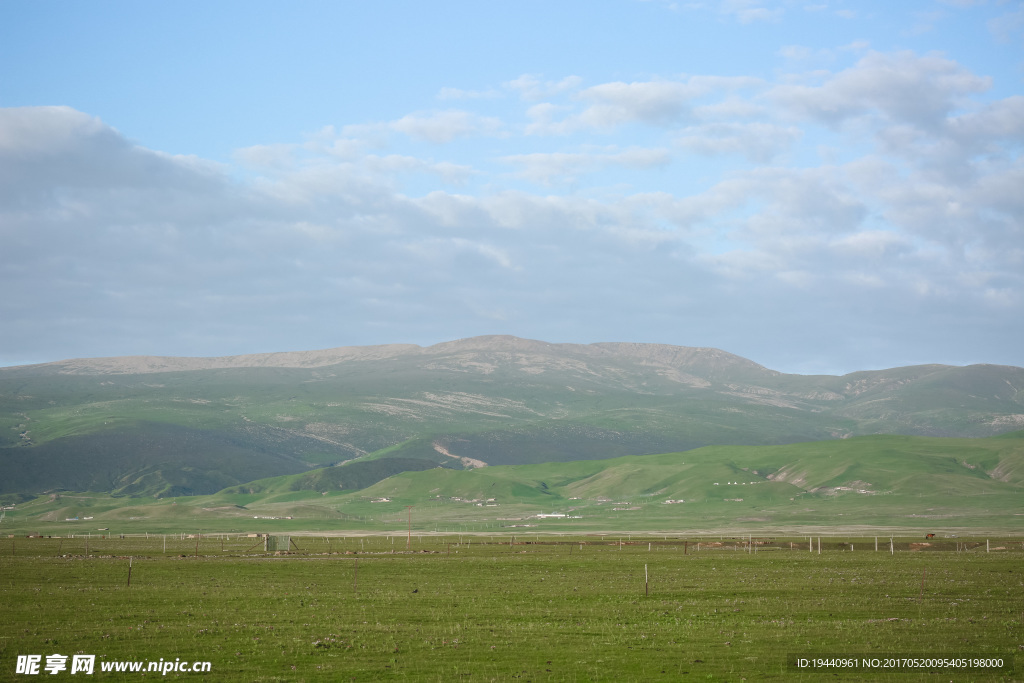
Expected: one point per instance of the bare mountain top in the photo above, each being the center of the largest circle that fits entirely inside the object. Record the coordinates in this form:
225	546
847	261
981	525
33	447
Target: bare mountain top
709	359
523	351
126	365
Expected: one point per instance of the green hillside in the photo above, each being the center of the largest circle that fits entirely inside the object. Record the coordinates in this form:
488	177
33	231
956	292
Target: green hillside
351	477
171	426
870	476
873	482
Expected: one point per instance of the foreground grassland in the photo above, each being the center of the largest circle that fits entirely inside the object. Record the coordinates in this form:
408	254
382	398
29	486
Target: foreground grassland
500	608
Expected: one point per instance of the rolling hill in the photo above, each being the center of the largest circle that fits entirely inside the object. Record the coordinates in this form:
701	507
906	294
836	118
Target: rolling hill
174	426
894	483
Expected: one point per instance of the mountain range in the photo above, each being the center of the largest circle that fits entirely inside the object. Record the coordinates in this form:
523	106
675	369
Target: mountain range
164	426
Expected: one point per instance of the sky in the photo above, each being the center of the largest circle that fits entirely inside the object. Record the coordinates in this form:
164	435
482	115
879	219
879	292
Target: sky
820	186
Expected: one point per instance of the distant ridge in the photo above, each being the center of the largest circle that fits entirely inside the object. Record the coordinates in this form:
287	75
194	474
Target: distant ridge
659	354
156	425
123	365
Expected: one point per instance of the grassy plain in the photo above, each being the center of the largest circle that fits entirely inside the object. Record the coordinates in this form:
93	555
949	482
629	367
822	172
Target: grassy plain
479	607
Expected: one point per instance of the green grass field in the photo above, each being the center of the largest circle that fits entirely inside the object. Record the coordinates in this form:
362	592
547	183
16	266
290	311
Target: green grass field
539	607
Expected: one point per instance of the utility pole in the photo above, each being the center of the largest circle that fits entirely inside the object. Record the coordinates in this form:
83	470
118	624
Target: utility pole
408	541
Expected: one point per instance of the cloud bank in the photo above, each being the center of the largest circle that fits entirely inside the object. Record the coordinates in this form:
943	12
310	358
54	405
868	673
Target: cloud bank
871	213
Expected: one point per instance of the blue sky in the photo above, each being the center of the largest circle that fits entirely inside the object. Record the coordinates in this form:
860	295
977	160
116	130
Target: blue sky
817	186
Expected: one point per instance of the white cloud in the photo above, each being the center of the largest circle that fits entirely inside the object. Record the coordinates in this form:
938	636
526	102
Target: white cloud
445	126
267	156
903	87
391	164
448	253
609	105
795	52
460	94
658	103
750	11
531	87
1007	27
543	120
42	129
52	153
439	127
873	244
758	142
730	108
653	102
552	168
1001	120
